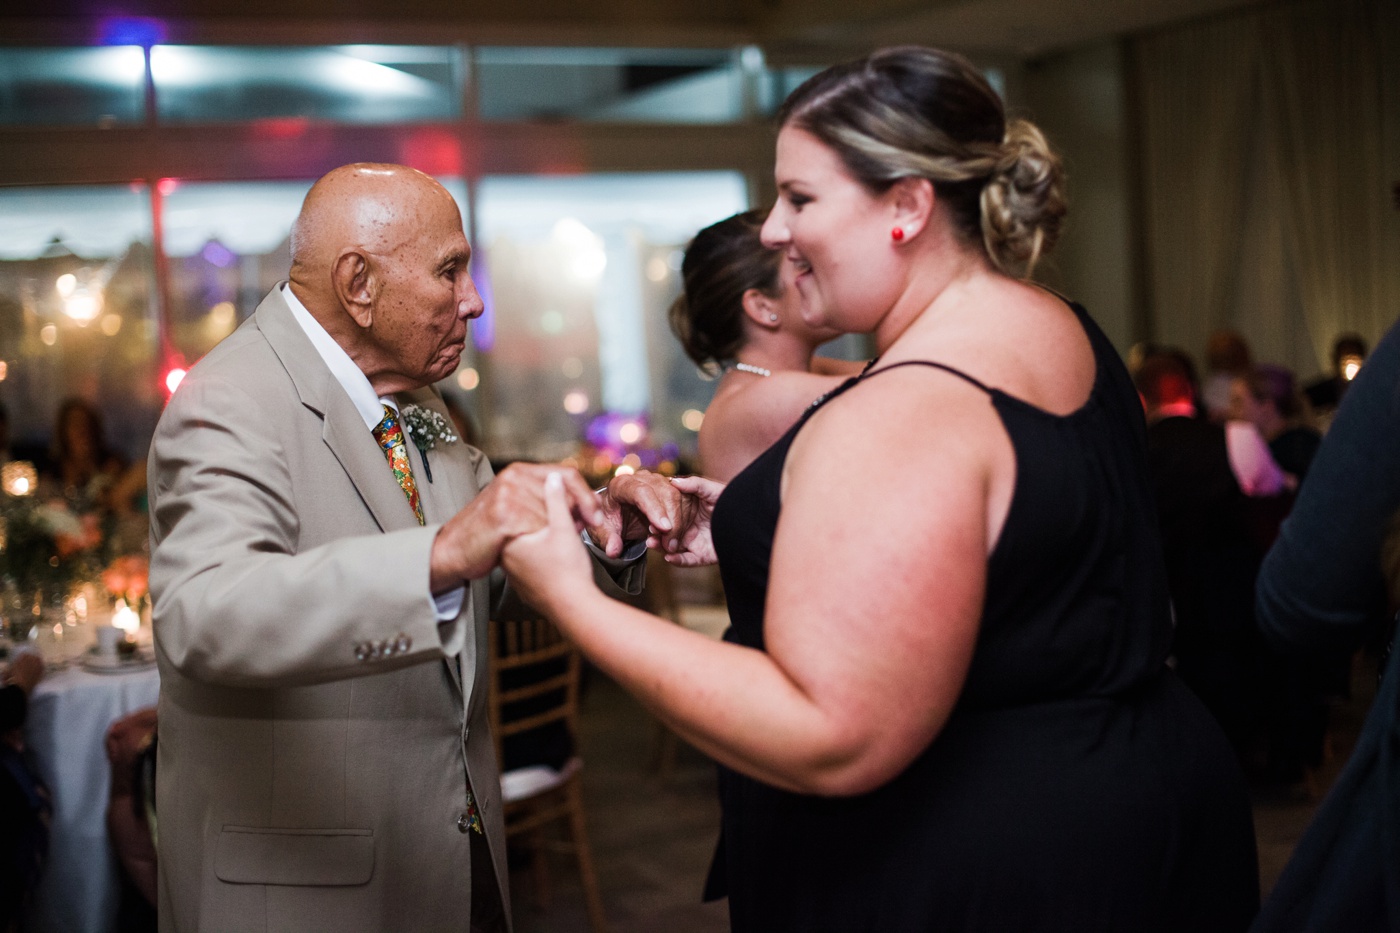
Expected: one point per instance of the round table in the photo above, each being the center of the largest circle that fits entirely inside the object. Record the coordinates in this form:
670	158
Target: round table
69	713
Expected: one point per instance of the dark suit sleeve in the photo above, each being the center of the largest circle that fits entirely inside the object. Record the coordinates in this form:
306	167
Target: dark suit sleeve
1321	584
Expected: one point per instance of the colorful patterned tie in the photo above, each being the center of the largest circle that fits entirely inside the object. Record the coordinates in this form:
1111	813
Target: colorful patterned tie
390	438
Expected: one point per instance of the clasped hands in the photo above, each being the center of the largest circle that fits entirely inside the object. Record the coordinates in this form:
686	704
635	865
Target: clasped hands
673	515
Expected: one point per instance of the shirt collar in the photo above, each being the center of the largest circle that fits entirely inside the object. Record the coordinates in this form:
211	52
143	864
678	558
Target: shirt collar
355	383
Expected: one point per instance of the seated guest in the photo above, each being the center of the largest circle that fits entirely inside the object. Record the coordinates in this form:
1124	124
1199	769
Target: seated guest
25	807
83	468
131	808
742	314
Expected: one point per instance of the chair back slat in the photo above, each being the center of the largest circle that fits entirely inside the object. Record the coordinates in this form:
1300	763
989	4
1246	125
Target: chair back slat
530	660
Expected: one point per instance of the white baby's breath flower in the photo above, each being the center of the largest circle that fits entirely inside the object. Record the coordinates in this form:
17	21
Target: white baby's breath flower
426	427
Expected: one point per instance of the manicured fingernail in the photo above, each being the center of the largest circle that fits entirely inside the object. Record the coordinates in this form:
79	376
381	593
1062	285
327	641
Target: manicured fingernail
555	480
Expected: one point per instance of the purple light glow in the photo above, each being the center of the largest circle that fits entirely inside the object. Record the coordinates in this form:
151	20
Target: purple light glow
131	30
215	253
605	433
483	329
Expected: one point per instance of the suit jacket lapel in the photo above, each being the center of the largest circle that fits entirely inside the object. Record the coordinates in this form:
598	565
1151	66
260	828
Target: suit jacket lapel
343	430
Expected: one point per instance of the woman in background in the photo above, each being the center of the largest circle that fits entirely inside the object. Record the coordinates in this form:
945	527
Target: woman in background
739	314
943	703
84	467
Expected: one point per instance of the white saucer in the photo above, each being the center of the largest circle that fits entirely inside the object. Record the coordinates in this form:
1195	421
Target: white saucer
99	664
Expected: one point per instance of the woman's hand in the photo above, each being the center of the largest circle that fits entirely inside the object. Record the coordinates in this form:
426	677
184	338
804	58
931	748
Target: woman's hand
550	566
692	546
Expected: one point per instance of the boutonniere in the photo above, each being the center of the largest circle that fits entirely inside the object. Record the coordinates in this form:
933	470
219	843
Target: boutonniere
426	427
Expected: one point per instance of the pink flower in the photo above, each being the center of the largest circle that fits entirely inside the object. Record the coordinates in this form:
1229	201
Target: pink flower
127	576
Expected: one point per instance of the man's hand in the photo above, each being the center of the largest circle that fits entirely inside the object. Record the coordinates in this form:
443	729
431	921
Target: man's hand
469	544
639	506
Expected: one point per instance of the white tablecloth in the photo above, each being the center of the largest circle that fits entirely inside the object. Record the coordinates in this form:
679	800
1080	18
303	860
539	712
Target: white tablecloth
69	713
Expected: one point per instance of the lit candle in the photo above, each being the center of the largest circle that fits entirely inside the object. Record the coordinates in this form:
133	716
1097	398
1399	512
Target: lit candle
18	477
125	618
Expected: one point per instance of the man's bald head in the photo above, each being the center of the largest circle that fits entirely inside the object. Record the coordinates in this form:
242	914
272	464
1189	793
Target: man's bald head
367	205
379	259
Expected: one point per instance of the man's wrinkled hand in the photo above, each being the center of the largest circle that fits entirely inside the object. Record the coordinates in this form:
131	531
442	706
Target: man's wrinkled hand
469	544
641	506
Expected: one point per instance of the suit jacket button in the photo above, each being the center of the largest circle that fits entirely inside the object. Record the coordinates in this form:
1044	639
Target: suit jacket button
464	823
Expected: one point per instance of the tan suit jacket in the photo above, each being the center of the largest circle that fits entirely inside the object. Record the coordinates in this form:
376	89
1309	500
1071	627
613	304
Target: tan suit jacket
318	725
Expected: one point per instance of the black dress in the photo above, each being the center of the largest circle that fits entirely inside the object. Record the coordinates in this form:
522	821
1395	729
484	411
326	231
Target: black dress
1077	785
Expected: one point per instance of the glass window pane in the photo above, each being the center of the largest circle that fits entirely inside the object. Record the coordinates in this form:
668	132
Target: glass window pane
51	87
581	273
626	85
228	245
345	83
778	83
77	316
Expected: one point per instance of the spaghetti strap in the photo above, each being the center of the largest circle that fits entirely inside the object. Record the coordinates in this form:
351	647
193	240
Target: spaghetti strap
946	368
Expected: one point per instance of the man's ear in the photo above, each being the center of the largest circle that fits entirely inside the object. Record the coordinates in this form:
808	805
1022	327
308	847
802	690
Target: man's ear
913	200
760	309
355	285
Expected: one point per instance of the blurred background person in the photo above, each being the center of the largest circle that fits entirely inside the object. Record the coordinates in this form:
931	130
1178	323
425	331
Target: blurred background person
741	315
1203	476
1332	582
1267	397
1325	393
1227	356
84	467
130	745
1296	690
25	805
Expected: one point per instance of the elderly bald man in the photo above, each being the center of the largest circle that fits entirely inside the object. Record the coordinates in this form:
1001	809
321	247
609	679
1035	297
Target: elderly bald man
321	596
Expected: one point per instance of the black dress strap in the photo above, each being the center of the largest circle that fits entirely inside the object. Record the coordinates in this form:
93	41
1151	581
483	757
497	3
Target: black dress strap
947	369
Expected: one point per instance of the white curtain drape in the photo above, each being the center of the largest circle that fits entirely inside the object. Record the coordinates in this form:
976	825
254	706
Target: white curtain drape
1269	152
1323	87
1199	92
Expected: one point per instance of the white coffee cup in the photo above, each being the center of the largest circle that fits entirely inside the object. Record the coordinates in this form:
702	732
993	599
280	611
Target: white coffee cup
107	638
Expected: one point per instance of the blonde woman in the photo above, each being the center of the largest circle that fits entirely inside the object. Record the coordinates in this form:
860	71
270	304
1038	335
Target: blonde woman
943	702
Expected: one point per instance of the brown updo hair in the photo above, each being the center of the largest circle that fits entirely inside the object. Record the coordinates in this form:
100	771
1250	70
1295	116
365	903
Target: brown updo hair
722	262
913	112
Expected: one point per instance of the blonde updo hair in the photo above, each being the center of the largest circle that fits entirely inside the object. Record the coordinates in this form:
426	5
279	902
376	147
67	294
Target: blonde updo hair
913	112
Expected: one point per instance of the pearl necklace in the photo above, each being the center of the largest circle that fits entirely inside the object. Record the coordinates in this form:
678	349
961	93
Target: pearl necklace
750	368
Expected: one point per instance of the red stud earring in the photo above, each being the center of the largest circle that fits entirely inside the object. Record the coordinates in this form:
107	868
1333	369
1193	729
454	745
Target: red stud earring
897	234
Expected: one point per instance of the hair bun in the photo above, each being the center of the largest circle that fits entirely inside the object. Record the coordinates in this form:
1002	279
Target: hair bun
1023	201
